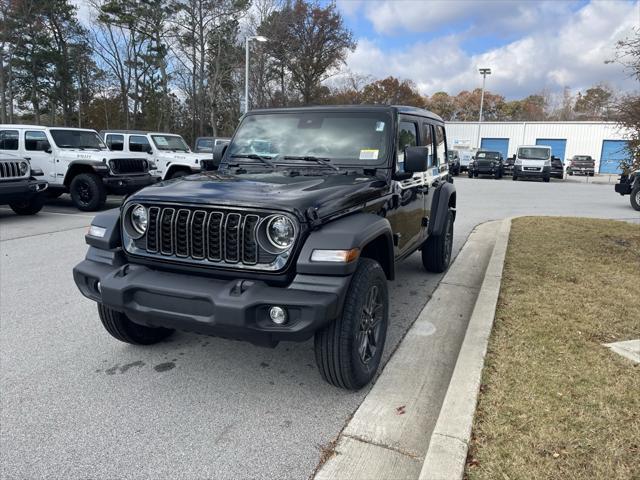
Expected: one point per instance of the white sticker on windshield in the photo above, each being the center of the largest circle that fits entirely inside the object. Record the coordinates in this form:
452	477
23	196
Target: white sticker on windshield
379	126
161	141
366	154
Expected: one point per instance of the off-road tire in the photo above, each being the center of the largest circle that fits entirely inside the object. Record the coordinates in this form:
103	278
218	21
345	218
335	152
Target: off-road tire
497	175
28	207
336	346
514	177
546	179
470	174
123	329
635	198
436	251
88	193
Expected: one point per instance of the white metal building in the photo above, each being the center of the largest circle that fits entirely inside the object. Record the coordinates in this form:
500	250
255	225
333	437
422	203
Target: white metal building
604	141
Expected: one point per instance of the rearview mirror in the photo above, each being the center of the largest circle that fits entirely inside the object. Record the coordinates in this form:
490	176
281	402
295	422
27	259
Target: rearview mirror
416	159
218	153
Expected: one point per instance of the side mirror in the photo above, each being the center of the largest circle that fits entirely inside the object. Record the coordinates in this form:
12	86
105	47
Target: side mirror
36	172
218	153
48	149
416	159
149	151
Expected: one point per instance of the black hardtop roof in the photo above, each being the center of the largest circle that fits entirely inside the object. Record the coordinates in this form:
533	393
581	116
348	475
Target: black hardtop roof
489	151
420	112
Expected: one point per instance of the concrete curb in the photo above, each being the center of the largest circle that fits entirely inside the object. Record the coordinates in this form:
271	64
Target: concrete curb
447	453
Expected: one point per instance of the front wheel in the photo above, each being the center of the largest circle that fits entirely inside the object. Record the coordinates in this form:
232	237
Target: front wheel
121	328
635	198
470	174
179	173
349	349
88	192
546	179
28	207
515	177
436	251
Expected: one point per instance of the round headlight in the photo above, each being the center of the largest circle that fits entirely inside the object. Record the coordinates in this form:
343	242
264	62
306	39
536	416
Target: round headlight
24	168
112	164
281	232
139	219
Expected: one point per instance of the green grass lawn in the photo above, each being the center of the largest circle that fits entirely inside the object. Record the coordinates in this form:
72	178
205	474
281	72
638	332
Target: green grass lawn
554	402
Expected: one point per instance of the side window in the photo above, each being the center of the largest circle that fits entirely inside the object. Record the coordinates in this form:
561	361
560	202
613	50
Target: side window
115	142
427	133
407	137
36	141
8	140
138	143
441	145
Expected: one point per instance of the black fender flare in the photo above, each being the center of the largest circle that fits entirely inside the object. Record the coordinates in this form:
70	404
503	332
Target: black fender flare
439	208
110	221
353	231
99	168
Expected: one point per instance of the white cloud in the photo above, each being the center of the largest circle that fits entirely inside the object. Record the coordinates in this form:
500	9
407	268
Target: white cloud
551	56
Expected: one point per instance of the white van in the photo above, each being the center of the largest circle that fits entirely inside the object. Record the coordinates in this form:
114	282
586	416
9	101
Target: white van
169	153
77	161
533	161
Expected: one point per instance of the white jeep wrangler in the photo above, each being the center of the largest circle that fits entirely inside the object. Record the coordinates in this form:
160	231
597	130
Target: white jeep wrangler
170	155
77	161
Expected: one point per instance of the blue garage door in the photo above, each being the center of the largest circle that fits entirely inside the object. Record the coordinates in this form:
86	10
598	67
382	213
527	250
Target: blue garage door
558	146
497	145
613	152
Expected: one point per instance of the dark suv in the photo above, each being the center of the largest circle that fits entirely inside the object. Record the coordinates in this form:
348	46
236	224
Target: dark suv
294	235
486	162
629	184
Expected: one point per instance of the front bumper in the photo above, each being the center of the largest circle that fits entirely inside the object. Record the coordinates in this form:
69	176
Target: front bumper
123	184
19	190
519	171
228	308
487	169
623	188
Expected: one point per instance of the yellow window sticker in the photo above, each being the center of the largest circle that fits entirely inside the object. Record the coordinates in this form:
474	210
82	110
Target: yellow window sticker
366	154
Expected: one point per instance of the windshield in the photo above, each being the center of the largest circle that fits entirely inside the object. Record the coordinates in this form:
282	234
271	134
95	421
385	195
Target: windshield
533	153
204	144
170	142
77	139
351	138
490	155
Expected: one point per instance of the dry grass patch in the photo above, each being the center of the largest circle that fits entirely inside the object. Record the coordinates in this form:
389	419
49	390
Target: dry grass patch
554	402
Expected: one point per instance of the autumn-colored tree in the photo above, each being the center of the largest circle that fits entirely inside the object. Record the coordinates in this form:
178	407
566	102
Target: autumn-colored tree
443	104
392	91
595	103
468	106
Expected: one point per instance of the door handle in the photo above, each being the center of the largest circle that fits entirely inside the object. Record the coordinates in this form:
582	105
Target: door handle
27	158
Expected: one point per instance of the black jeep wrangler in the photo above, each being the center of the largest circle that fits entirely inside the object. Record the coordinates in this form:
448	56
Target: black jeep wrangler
294	235
629	184
19	187
486	162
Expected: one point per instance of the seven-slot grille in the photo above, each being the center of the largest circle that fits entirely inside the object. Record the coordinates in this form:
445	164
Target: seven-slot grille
10	170
204	234
128	165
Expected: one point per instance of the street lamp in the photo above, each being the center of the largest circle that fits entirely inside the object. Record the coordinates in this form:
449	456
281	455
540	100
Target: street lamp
484	72
258	38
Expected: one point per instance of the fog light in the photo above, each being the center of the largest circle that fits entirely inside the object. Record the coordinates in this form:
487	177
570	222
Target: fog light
278	315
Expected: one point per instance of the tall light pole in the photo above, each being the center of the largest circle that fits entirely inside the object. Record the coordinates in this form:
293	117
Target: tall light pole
258	38
484	72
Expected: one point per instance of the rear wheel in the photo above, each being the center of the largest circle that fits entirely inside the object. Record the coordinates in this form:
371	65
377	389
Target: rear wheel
28	207
436	251
635	198
349	349
88	192
121	328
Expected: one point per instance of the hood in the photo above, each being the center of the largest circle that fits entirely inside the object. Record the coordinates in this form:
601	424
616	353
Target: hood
188	157
72	154
327	194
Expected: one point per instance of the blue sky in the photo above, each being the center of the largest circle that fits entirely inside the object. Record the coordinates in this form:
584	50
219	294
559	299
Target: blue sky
530	45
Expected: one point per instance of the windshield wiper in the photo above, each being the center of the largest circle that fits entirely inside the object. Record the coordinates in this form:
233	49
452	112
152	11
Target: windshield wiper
255	156
310	158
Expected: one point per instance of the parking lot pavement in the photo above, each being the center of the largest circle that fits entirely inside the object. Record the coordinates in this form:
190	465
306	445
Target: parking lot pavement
76	403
